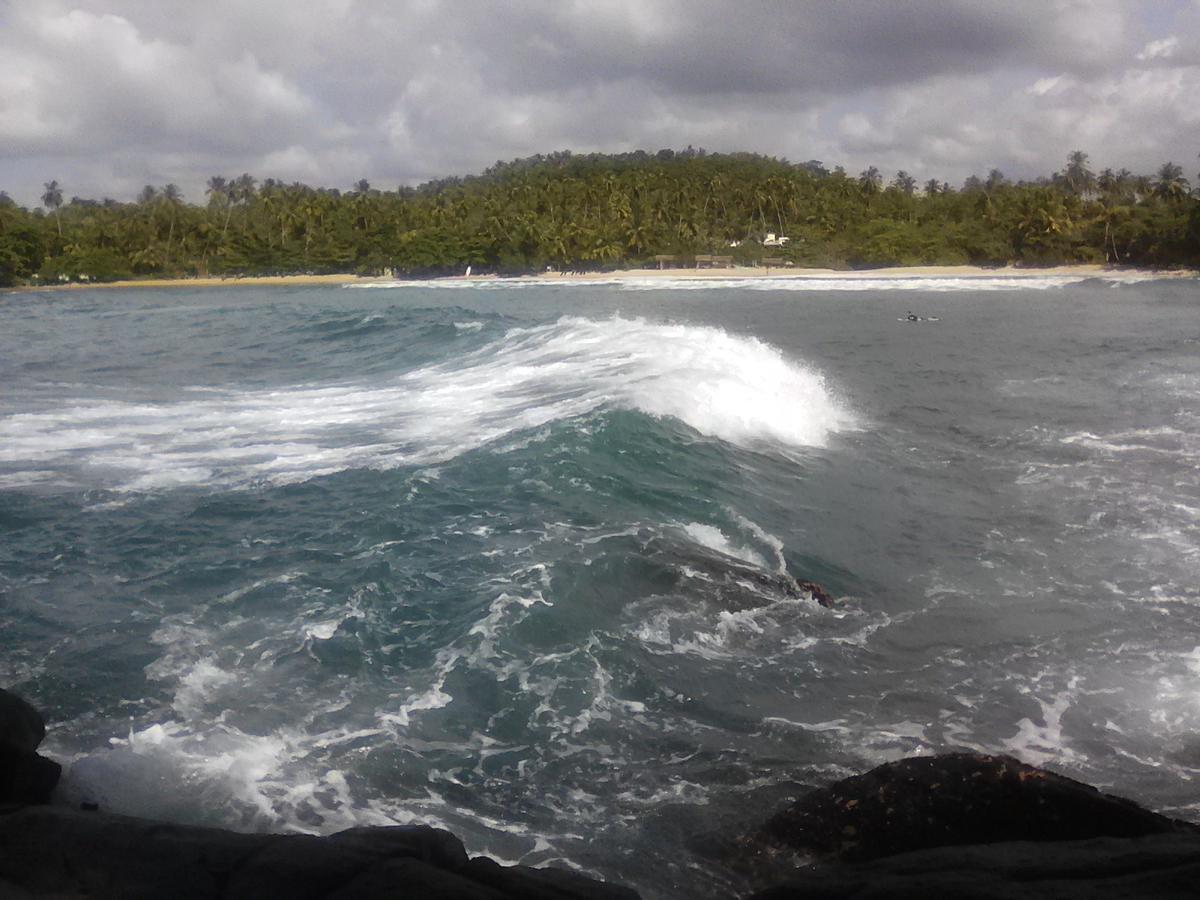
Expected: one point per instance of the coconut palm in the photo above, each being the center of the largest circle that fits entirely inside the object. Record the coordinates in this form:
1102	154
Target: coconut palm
1079	178
1169	183
172	198
904	183
870	181
217	191
52	199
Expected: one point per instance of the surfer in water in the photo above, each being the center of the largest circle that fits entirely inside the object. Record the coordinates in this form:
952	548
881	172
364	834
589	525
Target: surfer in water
912	317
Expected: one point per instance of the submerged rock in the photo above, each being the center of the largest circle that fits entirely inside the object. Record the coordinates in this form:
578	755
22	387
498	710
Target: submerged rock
740	583
25	777
62	852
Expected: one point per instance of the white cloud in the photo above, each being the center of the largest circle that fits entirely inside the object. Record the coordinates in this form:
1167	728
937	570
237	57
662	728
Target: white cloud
1161	49
1043	86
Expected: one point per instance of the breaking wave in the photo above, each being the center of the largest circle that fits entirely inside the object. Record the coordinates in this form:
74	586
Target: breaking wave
734	388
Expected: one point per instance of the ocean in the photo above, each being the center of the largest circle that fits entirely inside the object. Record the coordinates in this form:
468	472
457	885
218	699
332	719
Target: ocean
515	558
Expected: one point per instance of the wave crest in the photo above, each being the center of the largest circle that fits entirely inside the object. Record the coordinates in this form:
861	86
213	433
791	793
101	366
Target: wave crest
726	386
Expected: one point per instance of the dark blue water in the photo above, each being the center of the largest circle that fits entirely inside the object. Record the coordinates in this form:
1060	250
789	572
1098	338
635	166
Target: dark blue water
515	559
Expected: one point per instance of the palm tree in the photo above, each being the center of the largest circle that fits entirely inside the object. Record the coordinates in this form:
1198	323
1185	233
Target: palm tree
244	185
1078	177
1169	183
52	200
904	182
240	192
217	191
172	198
870	181
148	203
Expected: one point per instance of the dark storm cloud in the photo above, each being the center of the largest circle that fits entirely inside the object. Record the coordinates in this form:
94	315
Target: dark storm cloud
109	94
710	47
719	48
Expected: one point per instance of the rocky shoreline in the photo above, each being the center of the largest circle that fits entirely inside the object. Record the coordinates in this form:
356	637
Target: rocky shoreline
953	825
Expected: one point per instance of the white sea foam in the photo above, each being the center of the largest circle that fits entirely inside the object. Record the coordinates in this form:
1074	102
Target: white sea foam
1042	743
766	537
715	539
730	387
170	770
1163	439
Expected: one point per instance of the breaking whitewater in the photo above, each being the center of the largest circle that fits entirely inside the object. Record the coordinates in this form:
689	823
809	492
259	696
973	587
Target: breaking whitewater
515	558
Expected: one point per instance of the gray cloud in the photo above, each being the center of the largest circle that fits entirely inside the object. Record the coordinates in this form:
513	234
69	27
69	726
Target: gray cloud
106	95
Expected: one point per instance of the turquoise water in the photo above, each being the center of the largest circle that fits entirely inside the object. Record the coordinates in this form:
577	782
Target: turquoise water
515	559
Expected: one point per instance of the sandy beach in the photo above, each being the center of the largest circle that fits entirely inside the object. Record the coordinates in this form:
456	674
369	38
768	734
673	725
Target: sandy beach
732	273
215	281
785	273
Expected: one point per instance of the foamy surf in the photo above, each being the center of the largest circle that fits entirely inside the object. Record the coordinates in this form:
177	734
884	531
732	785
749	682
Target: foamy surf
729	387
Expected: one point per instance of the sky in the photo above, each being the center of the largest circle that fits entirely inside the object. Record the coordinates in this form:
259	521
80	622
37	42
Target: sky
106	96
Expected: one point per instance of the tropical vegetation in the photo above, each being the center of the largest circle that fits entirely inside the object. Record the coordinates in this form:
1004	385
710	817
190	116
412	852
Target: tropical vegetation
600	211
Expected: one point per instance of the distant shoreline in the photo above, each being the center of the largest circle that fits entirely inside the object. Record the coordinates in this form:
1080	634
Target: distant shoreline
798	274
732	274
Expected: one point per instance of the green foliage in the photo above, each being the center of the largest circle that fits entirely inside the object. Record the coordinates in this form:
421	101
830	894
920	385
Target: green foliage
21	253
87	264
598	212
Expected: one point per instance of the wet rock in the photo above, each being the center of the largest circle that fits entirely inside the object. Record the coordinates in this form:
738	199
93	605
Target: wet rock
25	777
63	852
787	585
1165	867
817	592
21	726
740	584
543	884
954	799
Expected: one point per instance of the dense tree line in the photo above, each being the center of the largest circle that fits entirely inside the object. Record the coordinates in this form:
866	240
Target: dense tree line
593	212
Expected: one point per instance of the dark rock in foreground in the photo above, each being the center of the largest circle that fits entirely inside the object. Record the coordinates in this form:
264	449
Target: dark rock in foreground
21	726
1164	867
25	777
970	825
958	798
61	852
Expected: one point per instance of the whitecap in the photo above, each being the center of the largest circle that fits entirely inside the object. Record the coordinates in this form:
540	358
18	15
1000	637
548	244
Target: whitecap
726	386
715	539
